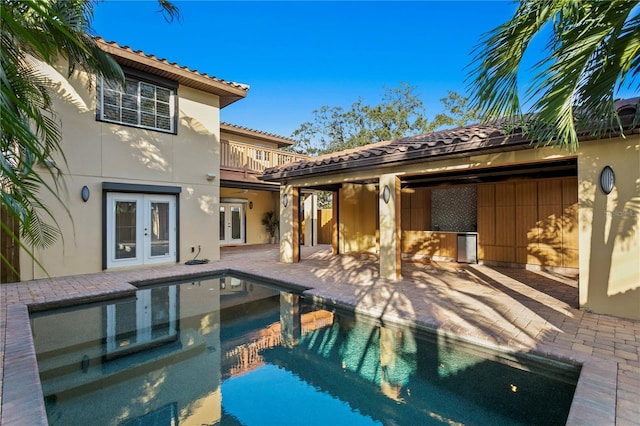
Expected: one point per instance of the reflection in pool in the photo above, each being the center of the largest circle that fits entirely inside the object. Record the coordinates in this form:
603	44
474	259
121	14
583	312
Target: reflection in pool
224	350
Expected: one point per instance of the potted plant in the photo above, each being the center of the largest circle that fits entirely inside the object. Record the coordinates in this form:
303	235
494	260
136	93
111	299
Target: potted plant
271	223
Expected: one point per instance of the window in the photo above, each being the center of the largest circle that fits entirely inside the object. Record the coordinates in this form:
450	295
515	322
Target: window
139	103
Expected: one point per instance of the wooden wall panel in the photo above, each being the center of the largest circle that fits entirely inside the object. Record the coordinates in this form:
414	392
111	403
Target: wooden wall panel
325	225
417	210
570	231
486	219
486	225
427	208
486	195
526	229
569	191
406	210
430	244
505	225
550	222
526	193
533	222
550	192
505	194
9	248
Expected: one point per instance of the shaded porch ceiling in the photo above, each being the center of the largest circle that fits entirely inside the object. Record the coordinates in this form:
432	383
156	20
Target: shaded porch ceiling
566	167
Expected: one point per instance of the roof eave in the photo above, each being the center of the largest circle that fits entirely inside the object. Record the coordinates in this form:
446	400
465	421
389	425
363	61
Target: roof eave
226	91
444	151
255	134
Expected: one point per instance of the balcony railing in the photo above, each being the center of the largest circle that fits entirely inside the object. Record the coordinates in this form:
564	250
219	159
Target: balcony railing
240	156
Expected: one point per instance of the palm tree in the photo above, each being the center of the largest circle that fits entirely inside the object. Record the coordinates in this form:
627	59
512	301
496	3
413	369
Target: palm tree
40	30
593	53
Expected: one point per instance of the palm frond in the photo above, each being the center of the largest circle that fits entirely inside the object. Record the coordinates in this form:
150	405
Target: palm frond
592	52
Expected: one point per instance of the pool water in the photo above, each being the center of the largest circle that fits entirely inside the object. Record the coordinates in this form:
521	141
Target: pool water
229	351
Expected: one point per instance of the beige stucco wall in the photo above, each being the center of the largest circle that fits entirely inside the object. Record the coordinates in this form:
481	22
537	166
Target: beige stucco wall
263	201
358	228
98	152
610	228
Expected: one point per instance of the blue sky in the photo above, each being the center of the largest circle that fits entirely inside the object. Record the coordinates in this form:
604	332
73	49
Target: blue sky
299	56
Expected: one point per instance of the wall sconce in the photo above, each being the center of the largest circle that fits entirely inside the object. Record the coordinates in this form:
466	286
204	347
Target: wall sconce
85	193
607	180
250	205
285	200
211	176
386	194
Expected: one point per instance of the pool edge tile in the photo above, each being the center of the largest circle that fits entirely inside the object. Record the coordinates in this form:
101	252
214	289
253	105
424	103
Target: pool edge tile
22	401
594	401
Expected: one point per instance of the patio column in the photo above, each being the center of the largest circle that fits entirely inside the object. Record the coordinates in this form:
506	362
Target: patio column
289	224
311	220
335	222
389	206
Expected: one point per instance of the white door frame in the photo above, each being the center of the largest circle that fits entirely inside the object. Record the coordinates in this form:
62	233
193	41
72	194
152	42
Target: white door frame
140	245
226	228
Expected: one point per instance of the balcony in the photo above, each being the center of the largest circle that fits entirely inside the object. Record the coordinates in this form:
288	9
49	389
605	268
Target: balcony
252	158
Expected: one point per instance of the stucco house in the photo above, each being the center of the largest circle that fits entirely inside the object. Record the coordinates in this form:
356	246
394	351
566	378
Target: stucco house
149	168
478	194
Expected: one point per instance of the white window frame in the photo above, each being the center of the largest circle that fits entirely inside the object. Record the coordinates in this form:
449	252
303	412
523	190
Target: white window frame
103	87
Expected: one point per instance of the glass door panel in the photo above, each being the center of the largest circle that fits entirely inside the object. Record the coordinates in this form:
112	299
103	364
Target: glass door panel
125	229
223	223
236	222
231	223
159	230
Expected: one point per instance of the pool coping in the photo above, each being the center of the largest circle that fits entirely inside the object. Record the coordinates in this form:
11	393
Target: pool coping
594	400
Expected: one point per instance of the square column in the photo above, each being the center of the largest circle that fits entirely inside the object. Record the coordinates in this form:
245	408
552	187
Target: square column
289	224
390	229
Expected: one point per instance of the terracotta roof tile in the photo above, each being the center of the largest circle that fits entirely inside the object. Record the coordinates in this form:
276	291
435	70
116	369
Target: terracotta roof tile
450	142
281	140
228	91
140	53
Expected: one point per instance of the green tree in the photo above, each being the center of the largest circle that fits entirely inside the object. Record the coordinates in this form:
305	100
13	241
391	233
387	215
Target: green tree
593	52
401	113
40	30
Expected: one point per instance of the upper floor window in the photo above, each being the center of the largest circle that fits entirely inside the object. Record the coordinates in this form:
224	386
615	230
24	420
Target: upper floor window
139	103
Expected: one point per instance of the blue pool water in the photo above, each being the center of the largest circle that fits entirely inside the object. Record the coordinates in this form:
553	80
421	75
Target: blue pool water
224	350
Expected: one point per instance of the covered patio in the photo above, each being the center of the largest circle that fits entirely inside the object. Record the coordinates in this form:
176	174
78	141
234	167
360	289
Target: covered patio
517	205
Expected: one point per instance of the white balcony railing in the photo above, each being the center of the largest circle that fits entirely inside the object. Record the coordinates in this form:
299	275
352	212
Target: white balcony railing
240	156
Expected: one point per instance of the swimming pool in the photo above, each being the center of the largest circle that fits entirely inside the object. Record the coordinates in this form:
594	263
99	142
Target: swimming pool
225	350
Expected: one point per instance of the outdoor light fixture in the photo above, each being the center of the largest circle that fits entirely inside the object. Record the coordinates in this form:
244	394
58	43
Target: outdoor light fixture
84	193
386	194
250	205
211	176
607	179
285	200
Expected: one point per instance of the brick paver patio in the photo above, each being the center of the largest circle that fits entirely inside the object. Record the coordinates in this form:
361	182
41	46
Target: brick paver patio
512	309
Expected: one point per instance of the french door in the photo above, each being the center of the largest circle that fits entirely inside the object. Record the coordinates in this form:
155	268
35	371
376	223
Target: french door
231	223
141	229
135	325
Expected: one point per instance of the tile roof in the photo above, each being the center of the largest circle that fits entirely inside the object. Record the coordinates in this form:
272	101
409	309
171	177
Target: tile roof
458	142
228	91
271	137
